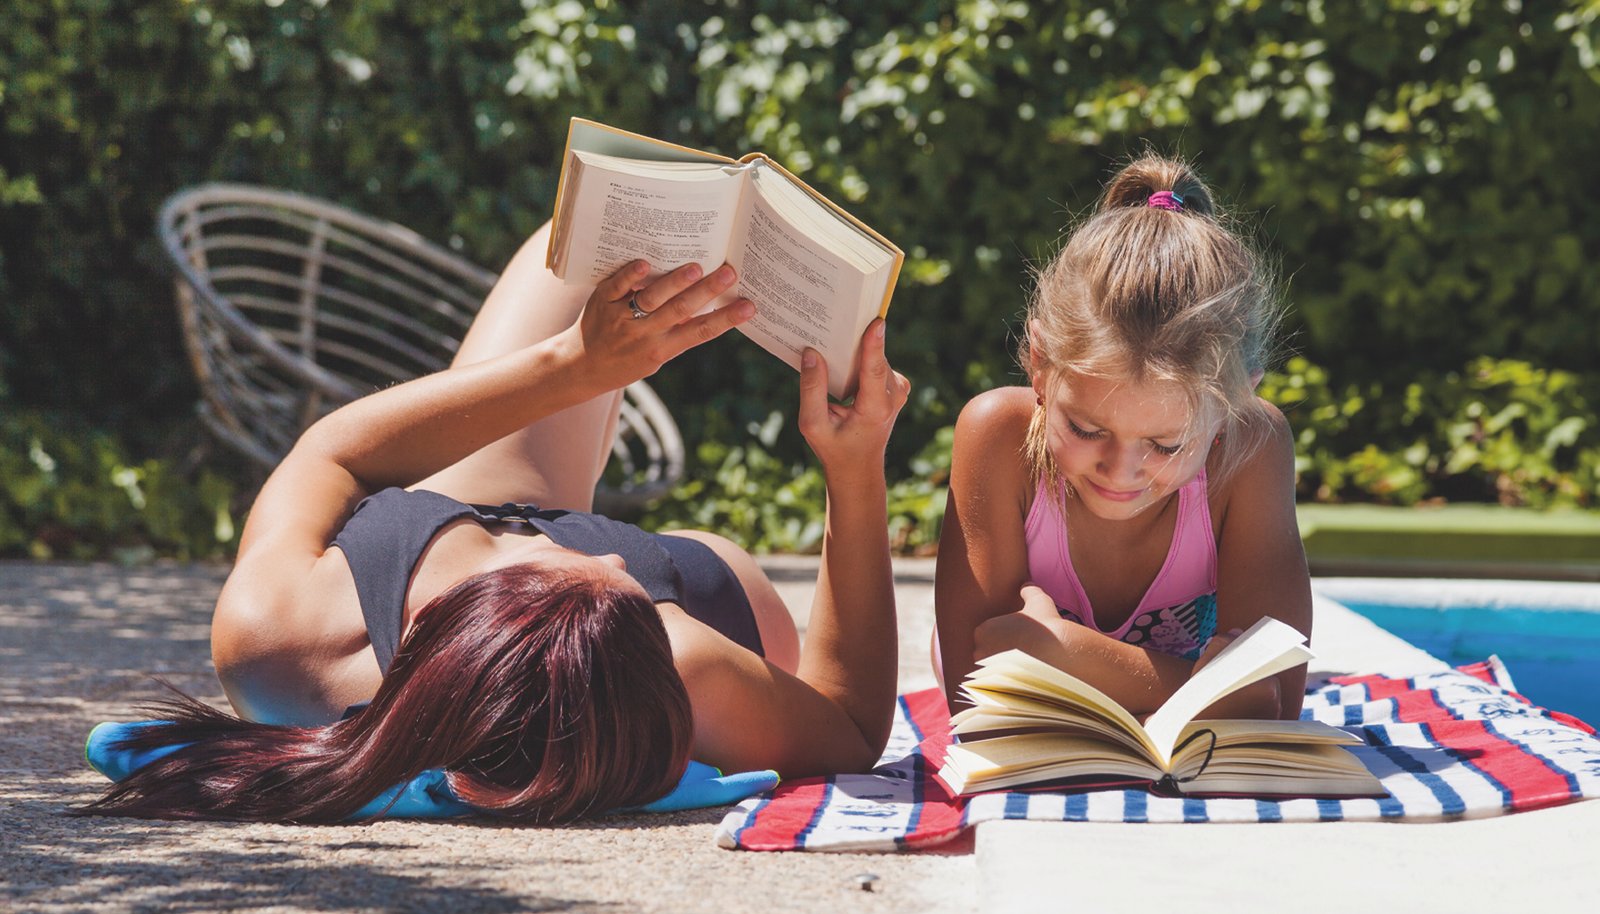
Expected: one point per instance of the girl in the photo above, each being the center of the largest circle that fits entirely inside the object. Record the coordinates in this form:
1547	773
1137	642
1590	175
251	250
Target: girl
1136	499
553	662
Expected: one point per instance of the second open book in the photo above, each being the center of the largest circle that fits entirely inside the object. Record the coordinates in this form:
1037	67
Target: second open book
816	274
1031	723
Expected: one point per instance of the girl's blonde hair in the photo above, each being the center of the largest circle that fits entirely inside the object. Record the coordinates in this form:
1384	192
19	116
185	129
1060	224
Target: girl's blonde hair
1152	290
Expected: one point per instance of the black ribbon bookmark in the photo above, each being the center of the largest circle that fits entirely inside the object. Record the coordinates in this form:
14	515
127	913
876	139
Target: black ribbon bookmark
1168	786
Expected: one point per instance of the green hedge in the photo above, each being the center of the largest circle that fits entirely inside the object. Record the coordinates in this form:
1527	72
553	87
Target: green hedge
70	492
1418	168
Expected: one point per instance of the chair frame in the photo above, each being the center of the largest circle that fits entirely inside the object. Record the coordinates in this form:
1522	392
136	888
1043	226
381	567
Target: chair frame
262	385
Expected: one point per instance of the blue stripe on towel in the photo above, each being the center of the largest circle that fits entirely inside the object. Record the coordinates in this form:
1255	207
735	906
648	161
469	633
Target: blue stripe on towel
822	806
919	780
905	711
1268	811
1330	810
1450	802
1194	810
1390	808
1016	806
1077	808
1135	806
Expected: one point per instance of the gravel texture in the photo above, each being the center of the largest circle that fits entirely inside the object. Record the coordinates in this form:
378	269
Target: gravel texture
81	643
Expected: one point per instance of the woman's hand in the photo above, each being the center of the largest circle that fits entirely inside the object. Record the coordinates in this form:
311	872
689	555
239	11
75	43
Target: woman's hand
618	347
850	438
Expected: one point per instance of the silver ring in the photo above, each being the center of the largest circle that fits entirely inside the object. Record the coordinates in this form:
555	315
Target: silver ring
633	305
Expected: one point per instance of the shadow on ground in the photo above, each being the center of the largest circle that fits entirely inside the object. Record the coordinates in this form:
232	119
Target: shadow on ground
82	643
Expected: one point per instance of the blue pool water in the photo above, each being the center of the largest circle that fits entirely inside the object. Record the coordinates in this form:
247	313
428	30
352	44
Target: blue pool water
1552	650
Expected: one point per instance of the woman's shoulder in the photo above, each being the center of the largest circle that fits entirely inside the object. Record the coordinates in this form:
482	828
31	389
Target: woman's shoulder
289	643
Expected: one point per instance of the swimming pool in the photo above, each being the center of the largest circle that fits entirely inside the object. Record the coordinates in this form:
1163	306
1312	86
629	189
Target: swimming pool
1546	633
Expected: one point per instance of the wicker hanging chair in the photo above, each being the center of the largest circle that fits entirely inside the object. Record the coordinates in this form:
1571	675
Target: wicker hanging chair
293	306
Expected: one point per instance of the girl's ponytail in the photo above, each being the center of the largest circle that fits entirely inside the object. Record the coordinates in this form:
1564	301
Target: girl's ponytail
1150	175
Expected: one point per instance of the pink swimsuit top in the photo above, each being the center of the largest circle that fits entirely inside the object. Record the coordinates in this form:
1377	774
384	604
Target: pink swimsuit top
1178	613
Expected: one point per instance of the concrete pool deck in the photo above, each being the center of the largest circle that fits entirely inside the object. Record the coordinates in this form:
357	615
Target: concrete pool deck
78	644
1541	860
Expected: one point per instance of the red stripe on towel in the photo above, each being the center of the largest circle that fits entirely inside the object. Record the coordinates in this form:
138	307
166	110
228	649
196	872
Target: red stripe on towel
778	825
1530	782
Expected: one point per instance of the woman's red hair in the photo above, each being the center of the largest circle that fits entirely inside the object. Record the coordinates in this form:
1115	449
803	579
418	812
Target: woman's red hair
544	697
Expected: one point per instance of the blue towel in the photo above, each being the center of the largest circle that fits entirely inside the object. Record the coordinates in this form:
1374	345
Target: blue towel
428	795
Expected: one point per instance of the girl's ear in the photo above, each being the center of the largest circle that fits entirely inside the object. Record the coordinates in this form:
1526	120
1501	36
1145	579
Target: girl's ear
1035	359
1256	376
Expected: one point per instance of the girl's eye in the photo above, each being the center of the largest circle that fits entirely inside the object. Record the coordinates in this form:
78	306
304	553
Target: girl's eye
1165	450
1084	433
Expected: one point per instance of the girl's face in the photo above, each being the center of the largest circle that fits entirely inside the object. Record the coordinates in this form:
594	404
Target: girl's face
1123	447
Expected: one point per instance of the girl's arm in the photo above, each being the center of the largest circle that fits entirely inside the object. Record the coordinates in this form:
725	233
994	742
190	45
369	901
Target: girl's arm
983	567
1261	564
983	552
1139	679
835	712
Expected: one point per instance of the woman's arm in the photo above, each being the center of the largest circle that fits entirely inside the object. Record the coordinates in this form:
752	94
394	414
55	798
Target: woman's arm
274	631
404	433
835	713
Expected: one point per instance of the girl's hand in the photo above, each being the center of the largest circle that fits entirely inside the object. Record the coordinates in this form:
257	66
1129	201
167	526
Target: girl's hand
617	347
1260	700
852	438
1037	629
1215	646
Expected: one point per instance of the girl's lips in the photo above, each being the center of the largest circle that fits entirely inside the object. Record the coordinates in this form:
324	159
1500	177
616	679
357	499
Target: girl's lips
1114	495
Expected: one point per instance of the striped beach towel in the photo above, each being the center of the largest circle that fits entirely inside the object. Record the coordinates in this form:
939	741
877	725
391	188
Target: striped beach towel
1454	744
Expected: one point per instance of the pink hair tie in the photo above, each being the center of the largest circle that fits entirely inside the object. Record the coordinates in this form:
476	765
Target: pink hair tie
1167	200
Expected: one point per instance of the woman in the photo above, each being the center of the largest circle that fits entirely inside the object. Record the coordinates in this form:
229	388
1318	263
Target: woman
554	662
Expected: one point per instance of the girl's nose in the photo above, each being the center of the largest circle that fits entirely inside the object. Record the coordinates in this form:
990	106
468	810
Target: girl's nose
1121	463
614	560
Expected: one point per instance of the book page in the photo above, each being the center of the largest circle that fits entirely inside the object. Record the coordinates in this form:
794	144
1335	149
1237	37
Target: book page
668	214
805	295
1286	769
593	136
1268	647
1036	757
1021	674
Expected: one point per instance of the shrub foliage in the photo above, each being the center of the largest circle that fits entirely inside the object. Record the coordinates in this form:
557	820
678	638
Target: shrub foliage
1416	167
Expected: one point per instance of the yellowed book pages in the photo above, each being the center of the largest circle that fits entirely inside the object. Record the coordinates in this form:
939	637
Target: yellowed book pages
816	274
1032	723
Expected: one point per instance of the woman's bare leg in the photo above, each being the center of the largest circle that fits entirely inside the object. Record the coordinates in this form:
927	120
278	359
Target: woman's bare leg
556	461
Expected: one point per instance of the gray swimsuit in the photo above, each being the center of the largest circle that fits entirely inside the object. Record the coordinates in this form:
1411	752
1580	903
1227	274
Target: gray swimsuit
390	529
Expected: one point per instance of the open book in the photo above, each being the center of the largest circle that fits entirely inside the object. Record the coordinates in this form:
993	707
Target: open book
1031	723
816	274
